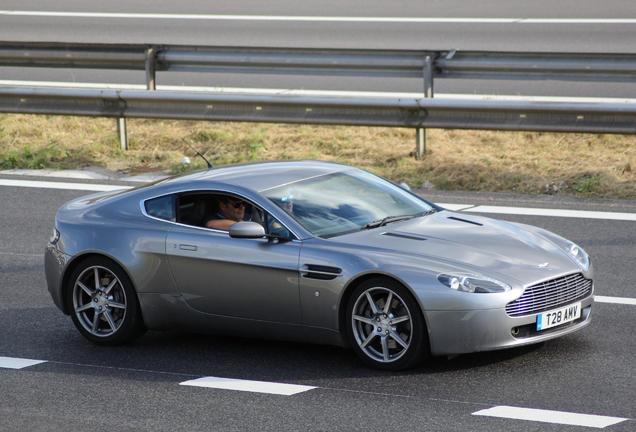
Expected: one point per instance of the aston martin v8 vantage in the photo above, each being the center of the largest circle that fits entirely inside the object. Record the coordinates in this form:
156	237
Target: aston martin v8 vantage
318	252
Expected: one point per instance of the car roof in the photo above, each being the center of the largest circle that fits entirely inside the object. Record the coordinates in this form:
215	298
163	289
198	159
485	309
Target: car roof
260	176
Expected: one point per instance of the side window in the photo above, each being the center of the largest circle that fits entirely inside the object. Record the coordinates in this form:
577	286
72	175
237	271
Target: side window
196	208
274	227
230	209
162	207
200	207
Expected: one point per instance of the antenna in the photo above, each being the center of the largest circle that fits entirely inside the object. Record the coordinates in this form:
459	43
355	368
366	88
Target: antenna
197	152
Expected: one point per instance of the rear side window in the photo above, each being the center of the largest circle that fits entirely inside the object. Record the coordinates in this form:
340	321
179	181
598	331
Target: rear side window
162	207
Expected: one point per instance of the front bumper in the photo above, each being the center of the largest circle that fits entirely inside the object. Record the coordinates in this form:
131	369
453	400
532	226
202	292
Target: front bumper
54	264
461	332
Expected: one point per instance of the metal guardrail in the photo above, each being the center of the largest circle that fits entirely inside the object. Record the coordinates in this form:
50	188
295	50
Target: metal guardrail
599	67
415	113
364	111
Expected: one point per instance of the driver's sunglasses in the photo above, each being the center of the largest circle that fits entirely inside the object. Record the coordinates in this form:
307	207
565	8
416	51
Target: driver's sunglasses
236	204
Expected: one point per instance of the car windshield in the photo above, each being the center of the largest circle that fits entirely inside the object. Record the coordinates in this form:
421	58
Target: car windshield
345	202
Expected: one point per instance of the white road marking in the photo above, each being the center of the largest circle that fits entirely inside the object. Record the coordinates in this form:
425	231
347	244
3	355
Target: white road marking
422	20
18	363
59	185
282	389
209	382
456	207
248	386
615	300
528	211
546	416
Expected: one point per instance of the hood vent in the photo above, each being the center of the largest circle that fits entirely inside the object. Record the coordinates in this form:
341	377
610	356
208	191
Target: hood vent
405	235
464	220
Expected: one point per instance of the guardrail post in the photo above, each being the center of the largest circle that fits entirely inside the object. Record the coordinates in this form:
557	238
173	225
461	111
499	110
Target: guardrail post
122	133
150	69
122	130
420	133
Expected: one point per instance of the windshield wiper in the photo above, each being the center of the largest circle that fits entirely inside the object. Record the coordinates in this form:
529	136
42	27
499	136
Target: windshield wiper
387	220
390	219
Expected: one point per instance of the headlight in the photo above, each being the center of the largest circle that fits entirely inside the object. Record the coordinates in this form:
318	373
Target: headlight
473	283
55	237
579	255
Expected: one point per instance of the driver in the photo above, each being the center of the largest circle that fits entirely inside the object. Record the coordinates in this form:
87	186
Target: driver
231	211
287	203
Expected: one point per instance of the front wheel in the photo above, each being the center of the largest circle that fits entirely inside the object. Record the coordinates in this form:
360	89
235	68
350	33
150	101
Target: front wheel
103	303
385	325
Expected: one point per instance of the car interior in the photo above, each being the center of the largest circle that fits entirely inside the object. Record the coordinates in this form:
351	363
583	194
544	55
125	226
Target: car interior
196	208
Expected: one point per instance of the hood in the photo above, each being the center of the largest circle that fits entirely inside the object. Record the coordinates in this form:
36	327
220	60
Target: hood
475	244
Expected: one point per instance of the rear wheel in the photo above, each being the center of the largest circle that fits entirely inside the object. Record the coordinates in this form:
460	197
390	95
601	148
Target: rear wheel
385	325
103	303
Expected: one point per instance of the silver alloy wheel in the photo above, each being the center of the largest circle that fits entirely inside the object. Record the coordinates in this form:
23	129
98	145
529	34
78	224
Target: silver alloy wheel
99	301
382	324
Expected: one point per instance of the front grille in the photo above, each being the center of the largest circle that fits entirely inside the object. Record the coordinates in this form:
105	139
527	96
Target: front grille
550	295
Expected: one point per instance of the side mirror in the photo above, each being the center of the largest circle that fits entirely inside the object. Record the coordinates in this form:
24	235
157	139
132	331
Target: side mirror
247	230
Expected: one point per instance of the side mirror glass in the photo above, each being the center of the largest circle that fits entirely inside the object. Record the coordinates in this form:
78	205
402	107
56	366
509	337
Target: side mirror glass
247	230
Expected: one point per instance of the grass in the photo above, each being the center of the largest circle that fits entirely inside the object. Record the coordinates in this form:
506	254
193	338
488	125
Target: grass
522	162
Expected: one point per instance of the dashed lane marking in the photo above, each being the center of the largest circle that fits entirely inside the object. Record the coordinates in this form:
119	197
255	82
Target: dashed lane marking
615	300
273	388
209	382
546	416
18	363
248	386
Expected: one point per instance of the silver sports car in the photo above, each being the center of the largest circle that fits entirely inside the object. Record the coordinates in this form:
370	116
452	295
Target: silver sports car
315	252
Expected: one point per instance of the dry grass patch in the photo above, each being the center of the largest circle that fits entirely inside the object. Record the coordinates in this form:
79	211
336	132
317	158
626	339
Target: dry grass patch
524	162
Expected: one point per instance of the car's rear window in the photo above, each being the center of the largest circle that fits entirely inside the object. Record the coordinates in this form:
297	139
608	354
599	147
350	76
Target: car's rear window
162	207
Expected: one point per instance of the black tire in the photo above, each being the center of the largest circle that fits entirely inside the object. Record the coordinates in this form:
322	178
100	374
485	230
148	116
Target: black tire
103	303
387	338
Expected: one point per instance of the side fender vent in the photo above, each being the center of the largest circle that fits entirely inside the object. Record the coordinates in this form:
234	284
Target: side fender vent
313	271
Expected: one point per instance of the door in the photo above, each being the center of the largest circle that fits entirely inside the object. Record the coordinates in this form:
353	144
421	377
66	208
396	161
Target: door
247	278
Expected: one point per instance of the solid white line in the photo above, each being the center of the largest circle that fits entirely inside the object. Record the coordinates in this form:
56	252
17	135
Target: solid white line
18	363
248	386
615	300
58	185
527	211
433	20
456	207
546	416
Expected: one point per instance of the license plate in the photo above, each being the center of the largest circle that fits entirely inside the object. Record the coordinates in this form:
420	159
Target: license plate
559	316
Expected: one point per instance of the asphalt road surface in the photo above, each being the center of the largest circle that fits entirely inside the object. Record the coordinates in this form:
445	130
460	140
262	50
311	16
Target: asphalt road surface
572	26
584	381
587	378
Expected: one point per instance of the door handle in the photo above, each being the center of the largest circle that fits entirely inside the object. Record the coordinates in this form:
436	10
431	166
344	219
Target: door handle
188	247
